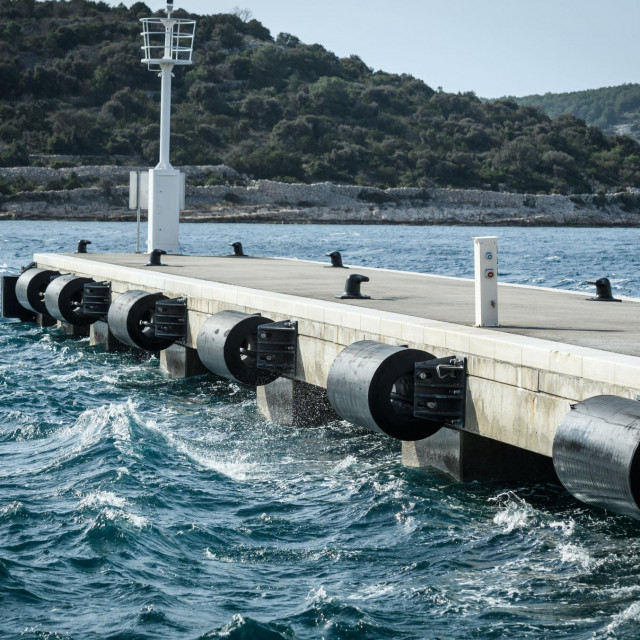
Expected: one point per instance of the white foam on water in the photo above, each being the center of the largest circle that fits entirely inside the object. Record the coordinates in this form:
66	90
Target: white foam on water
236	469
630	615
108	379
11	509
373	592
566	528
618	592
118	515
17	415
25	432
334	555
233	465
408	523
94	425
210	555
119	416
344	464
394	487
77	374
102	498
317	594
574	554
42	634
64	355
514	514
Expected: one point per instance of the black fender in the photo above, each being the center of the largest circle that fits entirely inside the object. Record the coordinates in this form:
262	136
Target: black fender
371	384
31	287
131	319
596	453
63	299
227	344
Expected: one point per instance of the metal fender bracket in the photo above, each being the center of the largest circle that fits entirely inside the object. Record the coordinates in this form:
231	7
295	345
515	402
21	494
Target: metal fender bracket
170	319
96	299
277	347
440	390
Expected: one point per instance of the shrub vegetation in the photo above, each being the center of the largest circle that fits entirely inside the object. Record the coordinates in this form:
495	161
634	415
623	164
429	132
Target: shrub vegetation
277	108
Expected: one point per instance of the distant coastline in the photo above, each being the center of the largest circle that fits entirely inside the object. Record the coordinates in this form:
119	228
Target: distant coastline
234	199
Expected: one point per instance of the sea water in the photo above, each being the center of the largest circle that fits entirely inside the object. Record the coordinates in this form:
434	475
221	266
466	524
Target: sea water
133	506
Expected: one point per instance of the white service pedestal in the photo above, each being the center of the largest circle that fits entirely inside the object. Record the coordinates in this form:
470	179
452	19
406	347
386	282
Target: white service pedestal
486	281
165	188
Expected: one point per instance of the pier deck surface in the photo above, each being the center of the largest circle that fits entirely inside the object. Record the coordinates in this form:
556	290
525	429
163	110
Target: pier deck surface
560	316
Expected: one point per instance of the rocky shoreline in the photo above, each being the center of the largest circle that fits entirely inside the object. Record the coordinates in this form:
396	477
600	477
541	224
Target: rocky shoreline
241	200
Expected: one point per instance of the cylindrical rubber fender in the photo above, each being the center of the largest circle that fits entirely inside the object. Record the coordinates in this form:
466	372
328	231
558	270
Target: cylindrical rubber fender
63	299
227	345
371	384
596	453
31	287
131	320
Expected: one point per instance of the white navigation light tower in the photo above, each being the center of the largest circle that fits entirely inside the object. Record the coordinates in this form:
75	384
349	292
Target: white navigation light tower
167	42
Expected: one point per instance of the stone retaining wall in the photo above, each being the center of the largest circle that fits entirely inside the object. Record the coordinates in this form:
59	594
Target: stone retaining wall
268	201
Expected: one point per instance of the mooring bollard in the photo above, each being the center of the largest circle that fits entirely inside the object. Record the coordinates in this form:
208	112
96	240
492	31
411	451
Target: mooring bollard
237	249
603	291
82	246
154	258
336	259
352	288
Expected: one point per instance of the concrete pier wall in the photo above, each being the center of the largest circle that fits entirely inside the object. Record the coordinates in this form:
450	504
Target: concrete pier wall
519	387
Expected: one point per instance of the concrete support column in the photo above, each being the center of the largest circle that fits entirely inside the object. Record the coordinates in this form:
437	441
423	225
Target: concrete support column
43	320
295	403
466	457
73	329
181	362
100	336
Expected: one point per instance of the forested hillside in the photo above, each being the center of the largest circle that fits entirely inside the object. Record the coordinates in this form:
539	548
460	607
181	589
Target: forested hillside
274	107
614	109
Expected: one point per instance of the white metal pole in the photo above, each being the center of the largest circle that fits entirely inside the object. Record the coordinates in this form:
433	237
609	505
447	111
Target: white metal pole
139	209
166	67
165	116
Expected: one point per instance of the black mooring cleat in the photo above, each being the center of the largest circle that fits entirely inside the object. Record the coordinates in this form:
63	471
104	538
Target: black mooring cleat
352	288
336	259
603	291
82	246
237	249
154	258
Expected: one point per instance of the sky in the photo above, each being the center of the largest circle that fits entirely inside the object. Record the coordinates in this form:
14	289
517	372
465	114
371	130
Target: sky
492	47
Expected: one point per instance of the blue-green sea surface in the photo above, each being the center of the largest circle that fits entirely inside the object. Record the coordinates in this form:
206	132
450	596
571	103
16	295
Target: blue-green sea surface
133	506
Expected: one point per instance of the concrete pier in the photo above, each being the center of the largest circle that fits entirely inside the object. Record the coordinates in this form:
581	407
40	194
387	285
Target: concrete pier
101	336
553	348
295	403
45	321
180	361
73	330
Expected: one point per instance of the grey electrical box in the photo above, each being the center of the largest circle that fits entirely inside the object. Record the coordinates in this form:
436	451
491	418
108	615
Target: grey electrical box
138	196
